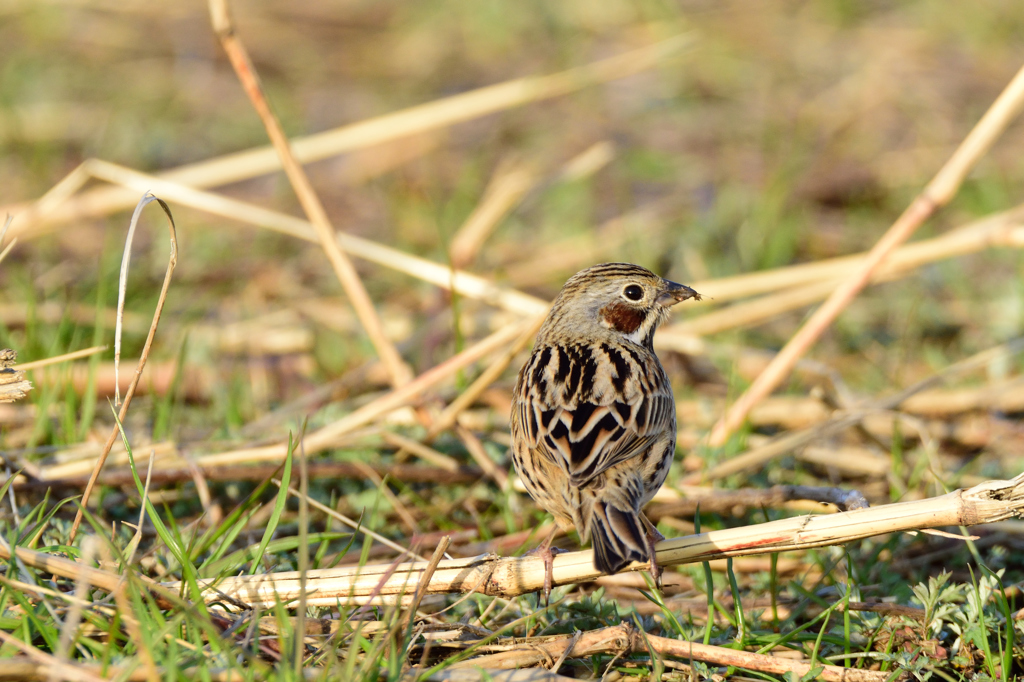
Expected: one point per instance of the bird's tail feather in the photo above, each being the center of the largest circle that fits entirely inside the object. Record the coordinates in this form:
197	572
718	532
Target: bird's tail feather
617	536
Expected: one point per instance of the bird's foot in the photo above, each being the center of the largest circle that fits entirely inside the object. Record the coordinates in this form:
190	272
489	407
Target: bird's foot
548	554
653	537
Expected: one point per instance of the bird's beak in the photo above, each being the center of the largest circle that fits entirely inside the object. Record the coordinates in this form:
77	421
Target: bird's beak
672	293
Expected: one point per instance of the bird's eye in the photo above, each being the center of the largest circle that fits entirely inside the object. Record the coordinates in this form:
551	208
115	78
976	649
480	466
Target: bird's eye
633	292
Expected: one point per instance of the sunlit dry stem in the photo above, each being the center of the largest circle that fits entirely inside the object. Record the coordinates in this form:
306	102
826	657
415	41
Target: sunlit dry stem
415	120
328	436
66	357
997	229
987	502
625	638
73	617
476	450
983	234
73	570
8	248
50	664
502	195
322	438
397	369
424	452
132	625
938	192
757	457
451	413
809	282
421	588
465	283
1002	229
355	525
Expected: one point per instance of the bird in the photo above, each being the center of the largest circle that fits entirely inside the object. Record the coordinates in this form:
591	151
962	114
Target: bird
593	421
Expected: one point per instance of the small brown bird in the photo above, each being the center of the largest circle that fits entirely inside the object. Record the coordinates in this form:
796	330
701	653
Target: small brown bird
593	417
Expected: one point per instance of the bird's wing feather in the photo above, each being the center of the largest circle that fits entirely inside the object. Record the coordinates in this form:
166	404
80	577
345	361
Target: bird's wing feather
586	437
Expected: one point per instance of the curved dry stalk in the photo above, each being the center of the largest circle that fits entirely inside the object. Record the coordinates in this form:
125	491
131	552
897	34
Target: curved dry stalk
464	283
987	502
238	55
937	193
114	433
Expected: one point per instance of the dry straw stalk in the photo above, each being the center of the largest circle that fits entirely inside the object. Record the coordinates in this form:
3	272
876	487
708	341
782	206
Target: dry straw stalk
224	27
998	229
987	502
625	638
13	384
937	193
329	435
1002	229
434	115
466	284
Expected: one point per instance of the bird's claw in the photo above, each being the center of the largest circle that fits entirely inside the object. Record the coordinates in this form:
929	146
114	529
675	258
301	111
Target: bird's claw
547	553
653	537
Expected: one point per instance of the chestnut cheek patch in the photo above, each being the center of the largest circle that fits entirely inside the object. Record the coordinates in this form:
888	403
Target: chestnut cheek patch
622	318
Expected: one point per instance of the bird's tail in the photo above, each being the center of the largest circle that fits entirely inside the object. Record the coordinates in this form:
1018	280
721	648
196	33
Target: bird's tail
617	536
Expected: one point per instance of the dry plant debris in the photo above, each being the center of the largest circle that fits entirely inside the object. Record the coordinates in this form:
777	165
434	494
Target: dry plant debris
13	384
308	476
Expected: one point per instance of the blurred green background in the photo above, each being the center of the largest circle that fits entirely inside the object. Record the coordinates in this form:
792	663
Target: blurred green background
788	132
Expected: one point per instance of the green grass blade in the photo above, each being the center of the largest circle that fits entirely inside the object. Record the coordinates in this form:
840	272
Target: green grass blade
279	505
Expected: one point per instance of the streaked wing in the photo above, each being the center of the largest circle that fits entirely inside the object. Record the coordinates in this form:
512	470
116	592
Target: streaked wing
586	431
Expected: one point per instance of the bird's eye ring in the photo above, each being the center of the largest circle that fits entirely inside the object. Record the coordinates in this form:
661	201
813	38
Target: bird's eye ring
633	292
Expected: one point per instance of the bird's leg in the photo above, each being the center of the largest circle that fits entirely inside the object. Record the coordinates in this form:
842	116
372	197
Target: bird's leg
653	537
546	552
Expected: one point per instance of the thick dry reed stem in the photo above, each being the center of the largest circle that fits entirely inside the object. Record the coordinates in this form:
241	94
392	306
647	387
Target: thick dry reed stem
988	502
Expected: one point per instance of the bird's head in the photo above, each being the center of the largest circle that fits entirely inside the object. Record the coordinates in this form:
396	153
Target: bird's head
617	299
